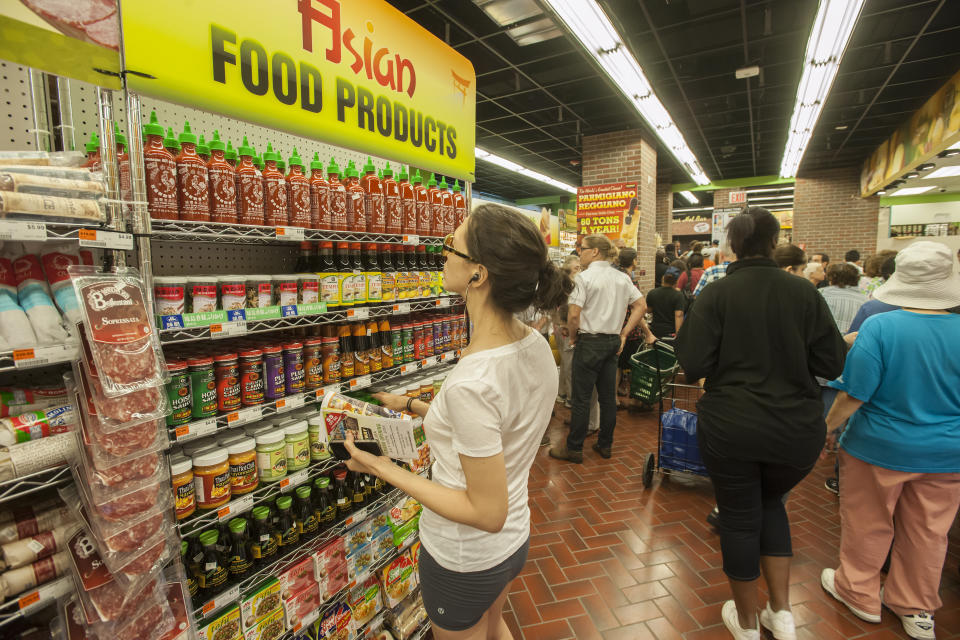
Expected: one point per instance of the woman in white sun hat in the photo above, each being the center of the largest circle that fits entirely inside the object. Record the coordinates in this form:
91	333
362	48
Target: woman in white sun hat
900	452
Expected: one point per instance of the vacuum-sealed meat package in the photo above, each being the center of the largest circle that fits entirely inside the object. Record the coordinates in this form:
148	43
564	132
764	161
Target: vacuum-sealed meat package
123	344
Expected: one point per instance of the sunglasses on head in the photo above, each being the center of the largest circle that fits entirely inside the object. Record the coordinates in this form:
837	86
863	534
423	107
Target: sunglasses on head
448	248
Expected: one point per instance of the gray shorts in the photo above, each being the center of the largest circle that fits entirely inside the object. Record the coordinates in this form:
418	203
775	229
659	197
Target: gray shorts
457	601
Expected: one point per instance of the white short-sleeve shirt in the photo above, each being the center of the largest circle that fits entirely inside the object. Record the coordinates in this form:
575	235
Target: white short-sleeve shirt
494	400
603	293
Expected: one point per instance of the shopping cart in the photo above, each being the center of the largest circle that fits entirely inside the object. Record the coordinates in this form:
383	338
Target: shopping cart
651	369
677	448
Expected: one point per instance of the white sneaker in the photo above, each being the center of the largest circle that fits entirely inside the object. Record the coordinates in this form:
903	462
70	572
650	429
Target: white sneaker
732	621
780	623
827	581
919	626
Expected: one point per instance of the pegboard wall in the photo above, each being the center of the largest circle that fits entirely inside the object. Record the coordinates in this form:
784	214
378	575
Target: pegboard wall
16	119
194	259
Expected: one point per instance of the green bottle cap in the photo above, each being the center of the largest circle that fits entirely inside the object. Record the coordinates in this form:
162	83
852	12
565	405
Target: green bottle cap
270	154
245	148
238	525
456	186
216	144
333	168
261	513
281	166
387	171
284	502
380	174
153	127
258	162
443	183
322	482
202	148
94	144
316	164
187	136
209	538
170	141
369	168
303	492
403	173
183	547
295	160
433	180
352	172
119	137
230	153
416	178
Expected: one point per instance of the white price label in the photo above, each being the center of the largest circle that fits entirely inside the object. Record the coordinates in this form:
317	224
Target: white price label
227	329
40	356
235	507
357	517
443	302
361	383
289	403
243	416
411	239
14	230
426	364
407	368
39	597
360	313
196	429
450	355
229	596
403	307
326	391
293	234
293	480
101	239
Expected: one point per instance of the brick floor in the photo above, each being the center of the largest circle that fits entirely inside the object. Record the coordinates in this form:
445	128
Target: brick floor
612	560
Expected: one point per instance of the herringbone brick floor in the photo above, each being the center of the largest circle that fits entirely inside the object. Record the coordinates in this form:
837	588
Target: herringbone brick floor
611	560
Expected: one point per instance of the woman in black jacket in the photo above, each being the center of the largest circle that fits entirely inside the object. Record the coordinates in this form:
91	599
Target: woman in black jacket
759	337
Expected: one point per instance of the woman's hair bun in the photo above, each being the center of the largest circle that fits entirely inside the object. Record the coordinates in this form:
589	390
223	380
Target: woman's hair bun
553	287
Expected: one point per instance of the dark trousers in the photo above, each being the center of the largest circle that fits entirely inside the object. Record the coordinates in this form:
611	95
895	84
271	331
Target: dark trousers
753	519
594	366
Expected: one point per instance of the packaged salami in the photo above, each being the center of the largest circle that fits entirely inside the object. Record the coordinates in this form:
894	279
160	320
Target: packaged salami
123	344
42	544
23	522
18	400
16	581
130	533
26	458
104	596
37	424
75	186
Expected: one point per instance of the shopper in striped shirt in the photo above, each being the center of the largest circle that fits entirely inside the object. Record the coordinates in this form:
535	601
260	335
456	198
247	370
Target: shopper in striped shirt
723	258
843	297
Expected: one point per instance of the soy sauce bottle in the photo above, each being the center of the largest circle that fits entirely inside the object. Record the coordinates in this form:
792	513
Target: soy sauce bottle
359	492
341	495
241	560
213	571
324	507
286	533
263	544
307	523
193	587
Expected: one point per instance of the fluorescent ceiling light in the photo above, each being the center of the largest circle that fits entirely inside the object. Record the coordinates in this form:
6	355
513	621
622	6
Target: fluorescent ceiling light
692	209
689	197
943	172
829	37
591	26
509	165
786	197
774	190
912	191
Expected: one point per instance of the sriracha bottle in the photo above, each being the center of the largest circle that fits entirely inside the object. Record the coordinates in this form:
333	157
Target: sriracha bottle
193	183
373	204
249	187
319	196
161	173
408	204
275	190
391	193
435	198
422	203
223	185
298	193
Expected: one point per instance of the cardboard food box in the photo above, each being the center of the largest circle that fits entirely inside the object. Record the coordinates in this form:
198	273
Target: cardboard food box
335	578
333	552
360	561
365	601
399	579
382	544
226	626
297	577
269	628
260	603
358	536
300	607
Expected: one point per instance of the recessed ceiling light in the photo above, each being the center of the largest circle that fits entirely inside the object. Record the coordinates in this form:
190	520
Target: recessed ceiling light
912	191
911	174
944	172
949	153
841	127
881	193
926	166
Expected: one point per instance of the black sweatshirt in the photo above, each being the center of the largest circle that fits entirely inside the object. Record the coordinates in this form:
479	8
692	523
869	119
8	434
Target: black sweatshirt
760	336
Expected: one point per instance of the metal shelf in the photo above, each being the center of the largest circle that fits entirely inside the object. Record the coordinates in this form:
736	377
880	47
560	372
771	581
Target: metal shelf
31	601
186	231
34	357
247	415
34	482
173	336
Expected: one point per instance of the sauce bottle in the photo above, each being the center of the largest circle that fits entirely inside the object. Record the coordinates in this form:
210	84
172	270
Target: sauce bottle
193	183
345	339
402	275
203	150
303	259
388	282
393	208
356	211
161	173
446	207
410	268
373	340
319	196
361	346
298	194
386	344
240	558
123	162
223	183
341	496
327	270
359	492
422	205
324	509
344	275
275	191
436	207
423	271
373	204
286	532
408	204
459	207
93	153
338	198
263	544
282	167
249	187
213	571
305	516
230	155
170	143
358	281
372	273
193	587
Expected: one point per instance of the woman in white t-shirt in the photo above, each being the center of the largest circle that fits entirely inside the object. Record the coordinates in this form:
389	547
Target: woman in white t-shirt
484	427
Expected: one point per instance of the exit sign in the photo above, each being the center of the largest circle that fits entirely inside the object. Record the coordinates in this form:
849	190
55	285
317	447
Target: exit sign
738	197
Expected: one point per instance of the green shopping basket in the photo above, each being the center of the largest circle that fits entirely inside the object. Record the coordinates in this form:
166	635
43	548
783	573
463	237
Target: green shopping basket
651	370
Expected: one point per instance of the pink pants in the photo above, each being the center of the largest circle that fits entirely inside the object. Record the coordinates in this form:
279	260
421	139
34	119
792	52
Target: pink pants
913	510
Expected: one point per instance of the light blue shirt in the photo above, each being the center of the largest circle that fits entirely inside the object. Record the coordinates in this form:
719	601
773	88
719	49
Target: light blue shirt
902	368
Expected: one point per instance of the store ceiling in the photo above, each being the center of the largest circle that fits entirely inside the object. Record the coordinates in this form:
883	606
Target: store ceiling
537	93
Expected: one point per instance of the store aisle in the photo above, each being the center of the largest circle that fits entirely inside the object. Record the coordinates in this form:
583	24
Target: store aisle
610	560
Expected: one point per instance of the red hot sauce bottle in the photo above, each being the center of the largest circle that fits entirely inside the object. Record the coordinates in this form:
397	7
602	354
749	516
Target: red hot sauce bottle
249	186
275	191
161	173
223	183
319	196
193	183
298	193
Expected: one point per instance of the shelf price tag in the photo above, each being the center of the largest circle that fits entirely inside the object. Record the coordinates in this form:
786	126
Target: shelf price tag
411	239
45	593
227	329
229	596
449	355
360	313
293	234
289	403
357	517
407	368
293	480
403	307
361	383
325	391
196	429
15	230
443	302
426	364
101	239
243	416
235	507
40	356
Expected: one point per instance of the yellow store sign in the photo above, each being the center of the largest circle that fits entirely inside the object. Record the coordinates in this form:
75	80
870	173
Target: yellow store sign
353	73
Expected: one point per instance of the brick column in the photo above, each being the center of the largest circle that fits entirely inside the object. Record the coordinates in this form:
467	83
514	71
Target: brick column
624	156
664	211
829	215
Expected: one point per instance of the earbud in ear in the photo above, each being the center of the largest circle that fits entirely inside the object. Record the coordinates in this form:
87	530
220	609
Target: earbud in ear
475	277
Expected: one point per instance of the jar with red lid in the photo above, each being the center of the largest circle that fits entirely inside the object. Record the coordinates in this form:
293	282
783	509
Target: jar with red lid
251	377
313	363
227	371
